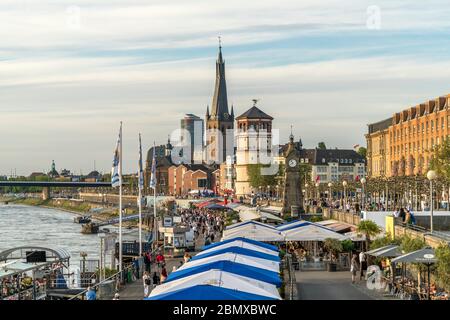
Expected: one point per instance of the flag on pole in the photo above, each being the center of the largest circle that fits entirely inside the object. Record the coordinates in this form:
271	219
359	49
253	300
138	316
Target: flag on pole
141	171
318	179
153	176
115	178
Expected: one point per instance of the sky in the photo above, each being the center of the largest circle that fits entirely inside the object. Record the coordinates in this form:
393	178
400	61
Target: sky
70	71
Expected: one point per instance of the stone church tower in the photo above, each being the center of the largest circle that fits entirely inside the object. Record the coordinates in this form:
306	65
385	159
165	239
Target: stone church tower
219	120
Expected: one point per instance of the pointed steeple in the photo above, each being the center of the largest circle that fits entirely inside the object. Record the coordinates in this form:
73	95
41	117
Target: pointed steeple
219	108
207	112
232	111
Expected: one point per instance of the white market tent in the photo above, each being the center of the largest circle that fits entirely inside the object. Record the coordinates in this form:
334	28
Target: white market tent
245	223
292	224
215	285
241	244
251	214
312	232
254	232
239	258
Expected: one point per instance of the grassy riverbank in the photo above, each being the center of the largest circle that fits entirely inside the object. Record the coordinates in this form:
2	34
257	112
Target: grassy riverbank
66	205
74	207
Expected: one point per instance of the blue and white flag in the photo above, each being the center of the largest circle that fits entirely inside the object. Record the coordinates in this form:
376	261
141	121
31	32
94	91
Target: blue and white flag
141	171
115	177
153	176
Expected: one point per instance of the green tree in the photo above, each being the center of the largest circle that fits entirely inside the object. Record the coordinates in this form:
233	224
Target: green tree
440	161
305	172
362	151
258	179
384	241
370	229
348	245
333	246
443	265
321	145
410	244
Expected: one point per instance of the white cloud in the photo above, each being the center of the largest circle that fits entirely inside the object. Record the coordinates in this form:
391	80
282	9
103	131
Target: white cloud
66	90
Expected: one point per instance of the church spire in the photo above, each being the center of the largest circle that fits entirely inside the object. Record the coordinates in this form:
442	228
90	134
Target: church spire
219	108
232	111
207	112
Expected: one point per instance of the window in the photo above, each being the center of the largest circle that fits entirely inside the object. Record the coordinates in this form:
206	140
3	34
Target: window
437	124
202	183
323	160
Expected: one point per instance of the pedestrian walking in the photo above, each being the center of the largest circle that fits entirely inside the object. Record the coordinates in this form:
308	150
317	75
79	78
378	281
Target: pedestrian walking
163	275
136	267
147	283
354	267
362	264
155	279
146	262
90	294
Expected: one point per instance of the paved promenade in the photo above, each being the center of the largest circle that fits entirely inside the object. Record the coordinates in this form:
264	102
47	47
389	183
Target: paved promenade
135	290
323	285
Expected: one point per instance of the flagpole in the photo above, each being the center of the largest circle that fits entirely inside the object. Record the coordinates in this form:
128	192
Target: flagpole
120	203
140	195
155	218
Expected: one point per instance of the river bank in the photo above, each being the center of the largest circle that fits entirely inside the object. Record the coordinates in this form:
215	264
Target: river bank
75	207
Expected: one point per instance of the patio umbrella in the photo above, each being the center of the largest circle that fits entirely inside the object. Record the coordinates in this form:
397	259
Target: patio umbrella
374	251
389	252
426	256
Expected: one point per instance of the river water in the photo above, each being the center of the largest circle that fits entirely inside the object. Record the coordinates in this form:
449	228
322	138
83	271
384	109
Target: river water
25	225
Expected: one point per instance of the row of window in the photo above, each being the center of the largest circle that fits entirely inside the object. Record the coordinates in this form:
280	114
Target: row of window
419	146
421	128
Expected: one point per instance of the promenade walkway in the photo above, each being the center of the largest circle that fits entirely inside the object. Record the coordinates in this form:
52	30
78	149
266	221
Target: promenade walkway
323	285
135	290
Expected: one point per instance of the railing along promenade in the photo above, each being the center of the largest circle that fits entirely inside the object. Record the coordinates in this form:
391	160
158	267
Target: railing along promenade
433	239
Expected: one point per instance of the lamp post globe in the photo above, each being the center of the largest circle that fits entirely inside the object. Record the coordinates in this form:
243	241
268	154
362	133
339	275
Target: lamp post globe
431	175
363	180
344	184
329	191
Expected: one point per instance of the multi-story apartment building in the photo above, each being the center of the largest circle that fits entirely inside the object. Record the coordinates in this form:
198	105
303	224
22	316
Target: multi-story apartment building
411	137
378	148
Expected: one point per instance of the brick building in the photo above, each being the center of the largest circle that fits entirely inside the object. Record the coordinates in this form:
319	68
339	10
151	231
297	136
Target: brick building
409	140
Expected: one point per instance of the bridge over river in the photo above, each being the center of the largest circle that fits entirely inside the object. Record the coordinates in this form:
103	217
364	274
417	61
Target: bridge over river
46	185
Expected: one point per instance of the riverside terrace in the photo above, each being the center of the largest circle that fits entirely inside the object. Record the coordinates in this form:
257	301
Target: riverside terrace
46	185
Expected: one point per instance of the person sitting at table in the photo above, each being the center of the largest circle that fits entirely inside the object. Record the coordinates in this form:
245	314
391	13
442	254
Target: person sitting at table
433	289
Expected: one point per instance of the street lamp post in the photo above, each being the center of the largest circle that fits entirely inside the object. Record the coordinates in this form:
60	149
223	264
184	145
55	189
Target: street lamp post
344	184
317	192
431	175
306	194
329	191
363	195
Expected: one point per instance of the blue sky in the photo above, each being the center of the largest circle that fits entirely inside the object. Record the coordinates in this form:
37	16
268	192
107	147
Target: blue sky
71	70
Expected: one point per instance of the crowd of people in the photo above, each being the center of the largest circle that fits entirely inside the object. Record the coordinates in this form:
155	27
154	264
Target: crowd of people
206	224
